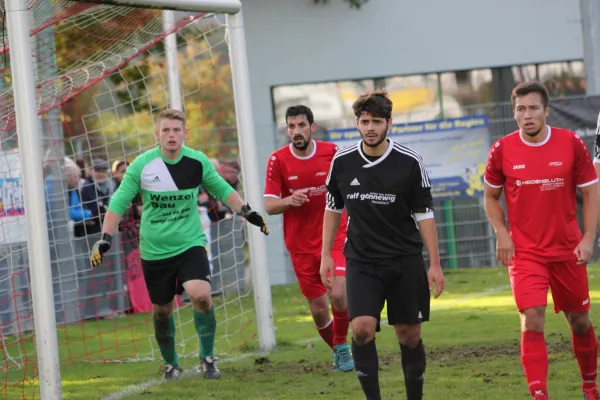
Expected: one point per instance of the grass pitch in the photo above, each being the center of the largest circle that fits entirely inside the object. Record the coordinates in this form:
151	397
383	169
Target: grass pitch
472	343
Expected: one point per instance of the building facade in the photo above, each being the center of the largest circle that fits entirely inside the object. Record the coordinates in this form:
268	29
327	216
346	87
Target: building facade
437	58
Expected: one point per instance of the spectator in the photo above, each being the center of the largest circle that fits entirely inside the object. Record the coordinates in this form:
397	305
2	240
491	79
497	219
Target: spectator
133	215
96	193
83	174
118	170
227	236
79	215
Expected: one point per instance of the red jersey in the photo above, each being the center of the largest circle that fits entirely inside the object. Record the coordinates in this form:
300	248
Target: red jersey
288	172
540	183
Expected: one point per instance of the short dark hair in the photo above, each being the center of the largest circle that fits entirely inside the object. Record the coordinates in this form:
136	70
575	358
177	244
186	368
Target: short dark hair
295	111
525	88
377	104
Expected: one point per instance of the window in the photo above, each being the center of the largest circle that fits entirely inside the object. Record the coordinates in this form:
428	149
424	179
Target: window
415	97
563	79
463	92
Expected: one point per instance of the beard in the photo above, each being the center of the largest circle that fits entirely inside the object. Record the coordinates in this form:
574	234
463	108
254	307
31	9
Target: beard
533	134
300	145
377	143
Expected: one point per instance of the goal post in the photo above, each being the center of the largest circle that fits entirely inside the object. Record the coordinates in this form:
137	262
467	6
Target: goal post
214	6
30	148
247	140
26	111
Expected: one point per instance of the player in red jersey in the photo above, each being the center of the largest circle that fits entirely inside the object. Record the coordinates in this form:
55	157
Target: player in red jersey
295	187
540	168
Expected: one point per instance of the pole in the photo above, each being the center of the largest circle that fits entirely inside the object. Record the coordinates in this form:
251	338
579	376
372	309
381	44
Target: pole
215	6
64	268
30	152
448	206
172	61
590	24
247	142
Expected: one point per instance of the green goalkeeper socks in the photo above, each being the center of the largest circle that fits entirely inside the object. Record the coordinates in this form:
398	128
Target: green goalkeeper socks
164	331
206	325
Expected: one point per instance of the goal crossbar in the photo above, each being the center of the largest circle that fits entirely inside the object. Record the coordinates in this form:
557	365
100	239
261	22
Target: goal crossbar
216	6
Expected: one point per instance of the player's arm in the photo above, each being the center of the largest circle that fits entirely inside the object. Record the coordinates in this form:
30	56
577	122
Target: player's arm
492	190
273	203
119	203
590	197
422	209
122	198
223	191
334	205
493	207
597	148
586	179
597	156
494	179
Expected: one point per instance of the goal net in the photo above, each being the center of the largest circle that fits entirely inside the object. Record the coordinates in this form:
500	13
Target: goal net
101	79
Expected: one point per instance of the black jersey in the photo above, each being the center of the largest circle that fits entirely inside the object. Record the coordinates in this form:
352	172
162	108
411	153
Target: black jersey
381	196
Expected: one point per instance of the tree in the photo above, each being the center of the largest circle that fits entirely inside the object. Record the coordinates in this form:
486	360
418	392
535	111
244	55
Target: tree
352	3
208	102
93	36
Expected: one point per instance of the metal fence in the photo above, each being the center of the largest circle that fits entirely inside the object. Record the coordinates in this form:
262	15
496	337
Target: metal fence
465	236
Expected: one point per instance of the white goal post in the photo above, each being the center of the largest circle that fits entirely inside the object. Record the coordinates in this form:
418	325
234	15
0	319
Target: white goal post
28	127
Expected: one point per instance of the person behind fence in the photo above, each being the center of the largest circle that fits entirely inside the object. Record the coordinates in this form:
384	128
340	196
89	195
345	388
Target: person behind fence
227	237
79	215
83	175
96	193
541	168
172	242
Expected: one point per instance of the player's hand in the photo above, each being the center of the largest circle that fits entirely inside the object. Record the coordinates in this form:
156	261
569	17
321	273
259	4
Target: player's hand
99	249
435	275
505	249
584	251
327	268
299	197
254	218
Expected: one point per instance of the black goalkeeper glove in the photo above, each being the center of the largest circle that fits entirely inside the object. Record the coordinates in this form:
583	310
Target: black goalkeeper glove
254	218
99	249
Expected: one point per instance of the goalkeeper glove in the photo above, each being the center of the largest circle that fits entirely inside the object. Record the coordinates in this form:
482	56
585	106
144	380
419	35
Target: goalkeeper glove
254	218
99	249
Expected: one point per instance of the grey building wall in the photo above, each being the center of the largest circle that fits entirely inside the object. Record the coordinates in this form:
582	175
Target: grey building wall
295	41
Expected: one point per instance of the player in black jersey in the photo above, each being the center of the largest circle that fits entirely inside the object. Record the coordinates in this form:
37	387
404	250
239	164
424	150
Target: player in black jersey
386	192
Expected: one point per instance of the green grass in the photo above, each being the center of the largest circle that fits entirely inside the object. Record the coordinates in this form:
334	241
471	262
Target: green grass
472	343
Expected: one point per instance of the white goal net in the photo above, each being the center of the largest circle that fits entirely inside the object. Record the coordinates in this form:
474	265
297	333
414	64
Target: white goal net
101	79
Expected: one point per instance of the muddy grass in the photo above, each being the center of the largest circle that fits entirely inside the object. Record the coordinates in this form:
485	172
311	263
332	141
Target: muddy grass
558	345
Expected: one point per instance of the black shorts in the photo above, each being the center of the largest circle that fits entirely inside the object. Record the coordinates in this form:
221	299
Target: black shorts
402	283
164	278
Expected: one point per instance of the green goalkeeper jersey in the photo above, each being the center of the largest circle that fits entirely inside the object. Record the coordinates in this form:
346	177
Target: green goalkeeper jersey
170	220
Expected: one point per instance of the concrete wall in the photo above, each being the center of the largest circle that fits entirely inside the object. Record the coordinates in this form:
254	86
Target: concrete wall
295	41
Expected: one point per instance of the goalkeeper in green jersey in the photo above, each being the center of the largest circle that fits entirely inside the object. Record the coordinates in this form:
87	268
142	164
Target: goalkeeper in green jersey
172	242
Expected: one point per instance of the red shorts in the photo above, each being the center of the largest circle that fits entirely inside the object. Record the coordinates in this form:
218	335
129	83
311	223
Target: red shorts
307	266
567	281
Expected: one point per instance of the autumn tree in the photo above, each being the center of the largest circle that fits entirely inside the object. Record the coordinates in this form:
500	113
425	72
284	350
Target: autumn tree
208	102
87	41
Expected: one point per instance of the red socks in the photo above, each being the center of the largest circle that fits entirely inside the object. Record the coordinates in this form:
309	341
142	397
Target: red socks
326	333
336	330
340	326
585	347
534	358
